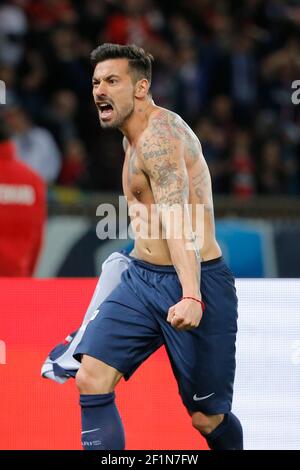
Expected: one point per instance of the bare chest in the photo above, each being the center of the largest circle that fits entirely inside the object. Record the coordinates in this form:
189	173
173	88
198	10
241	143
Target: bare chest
135	182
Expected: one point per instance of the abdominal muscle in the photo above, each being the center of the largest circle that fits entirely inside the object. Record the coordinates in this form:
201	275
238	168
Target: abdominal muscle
156	250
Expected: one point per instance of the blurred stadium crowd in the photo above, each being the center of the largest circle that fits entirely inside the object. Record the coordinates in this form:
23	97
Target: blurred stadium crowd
226	67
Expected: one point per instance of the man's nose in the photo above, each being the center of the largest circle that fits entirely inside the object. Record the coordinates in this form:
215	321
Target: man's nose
100	90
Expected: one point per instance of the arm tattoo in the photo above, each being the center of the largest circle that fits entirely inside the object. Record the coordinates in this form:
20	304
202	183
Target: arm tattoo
155	153
162	155
167	173
201	184
132	168
168	126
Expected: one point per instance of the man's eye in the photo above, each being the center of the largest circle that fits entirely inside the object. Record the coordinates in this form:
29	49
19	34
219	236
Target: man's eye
112	81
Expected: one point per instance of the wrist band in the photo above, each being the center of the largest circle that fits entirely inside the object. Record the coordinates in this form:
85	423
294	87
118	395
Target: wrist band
196	300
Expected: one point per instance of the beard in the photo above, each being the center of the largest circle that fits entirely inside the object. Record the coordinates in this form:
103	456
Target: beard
119	120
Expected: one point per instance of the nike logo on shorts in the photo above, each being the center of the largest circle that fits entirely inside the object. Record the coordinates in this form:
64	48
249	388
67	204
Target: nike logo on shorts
90	430
195	398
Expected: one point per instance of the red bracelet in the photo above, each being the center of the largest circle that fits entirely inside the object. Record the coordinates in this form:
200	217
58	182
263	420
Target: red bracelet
196	300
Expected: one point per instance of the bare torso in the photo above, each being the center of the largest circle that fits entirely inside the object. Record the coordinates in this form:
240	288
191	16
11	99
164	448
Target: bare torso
137	189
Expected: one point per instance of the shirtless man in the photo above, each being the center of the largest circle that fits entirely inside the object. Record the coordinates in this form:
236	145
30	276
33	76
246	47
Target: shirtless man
172	292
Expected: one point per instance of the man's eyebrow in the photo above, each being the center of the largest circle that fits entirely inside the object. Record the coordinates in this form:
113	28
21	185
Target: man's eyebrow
112	75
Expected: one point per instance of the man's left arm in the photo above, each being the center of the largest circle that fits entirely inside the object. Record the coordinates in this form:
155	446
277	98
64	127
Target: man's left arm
163	161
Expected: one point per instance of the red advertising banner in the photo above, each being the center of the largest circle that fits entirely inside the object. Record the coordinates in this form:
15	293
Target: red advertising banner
36	413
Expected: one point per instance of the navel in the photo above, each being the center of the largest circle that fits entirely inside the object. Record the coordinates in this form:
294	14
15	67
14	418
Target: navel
137	193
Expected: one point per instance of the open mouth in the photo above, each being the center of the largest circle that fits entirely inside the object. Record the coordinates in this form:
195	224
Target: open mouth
105	110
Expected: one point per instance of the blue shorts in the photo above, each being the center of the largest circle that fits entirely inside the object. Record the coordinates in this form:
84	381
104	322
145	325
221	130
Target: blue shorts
131	325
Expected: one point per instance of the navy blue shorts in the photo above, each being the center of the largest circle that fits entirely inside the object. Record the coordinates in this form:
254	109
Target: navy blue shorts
131	325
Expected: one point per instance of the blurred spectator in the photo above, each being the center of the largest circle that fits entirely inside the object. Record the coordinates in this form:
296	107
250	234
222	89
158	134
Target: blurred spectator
165	80
222	115
13	27
32	82
74	170
35	146
243	169
182	32
67	61
44	14
22	211
192	83
93	15
271	171
61	116
215	153
243	77
137	22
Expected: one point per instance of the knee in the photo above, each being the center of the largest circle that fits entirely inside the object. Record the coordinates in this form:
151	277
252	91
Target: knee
206	424
88	382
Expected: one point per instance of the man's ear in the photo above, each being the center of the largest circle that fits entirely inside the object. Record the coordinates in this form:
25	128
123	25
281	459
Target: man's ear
141	88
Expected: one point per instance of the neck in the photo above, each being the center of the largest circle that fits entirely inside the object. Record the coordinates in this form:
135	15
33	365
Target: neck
138	121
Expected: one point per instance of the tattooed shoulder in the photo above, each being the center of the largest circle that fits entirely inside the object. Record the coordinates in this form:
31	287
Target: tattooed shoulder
158	140
165	129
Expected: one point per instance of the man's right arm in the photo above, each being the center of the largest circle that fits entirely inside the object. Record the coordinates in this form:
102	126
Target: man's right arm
164	164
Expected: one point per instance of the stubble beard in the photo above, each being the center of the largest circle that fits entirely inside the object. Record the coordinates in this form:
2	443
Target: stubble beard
119	121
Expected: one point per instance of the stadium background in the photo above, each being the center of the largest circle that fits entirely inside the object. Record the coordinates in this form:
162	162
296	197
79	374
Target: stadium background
227	67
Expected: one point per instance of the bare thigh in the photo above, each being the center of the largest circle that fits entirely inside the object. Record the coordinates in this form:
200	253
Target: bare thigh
95	376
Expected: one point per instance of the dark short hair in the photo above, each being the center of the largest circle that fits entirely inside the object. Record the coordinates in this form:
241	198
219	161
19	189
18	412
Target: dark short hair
4	130
140	62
